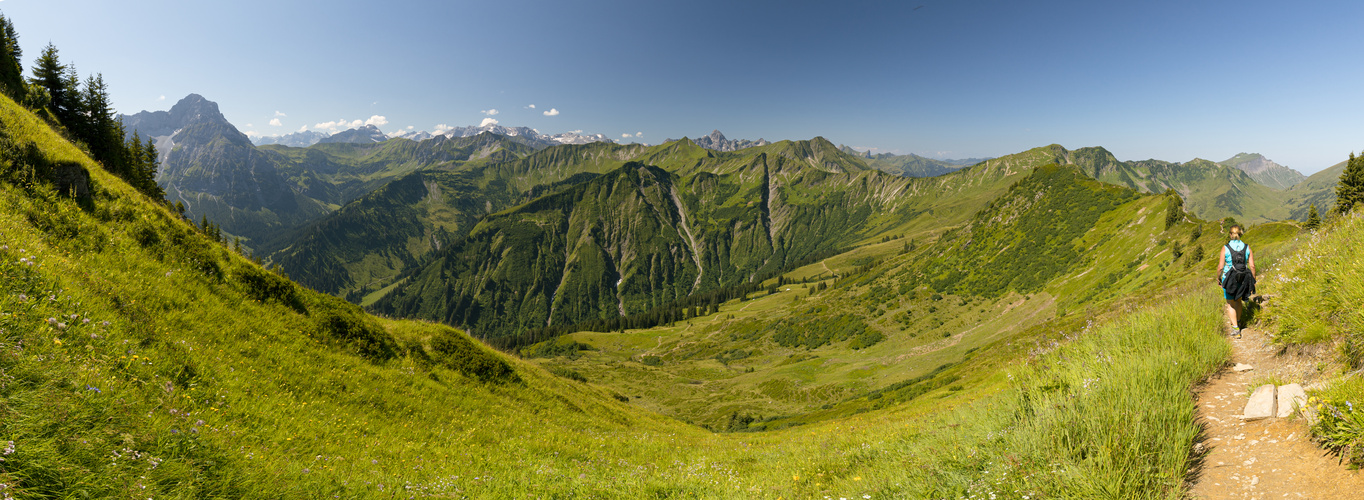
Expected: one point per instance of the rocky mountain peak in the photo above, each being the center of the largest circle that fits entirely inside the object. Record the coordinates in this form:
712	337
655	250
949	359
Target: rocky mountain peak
195	108
717	141
1264	170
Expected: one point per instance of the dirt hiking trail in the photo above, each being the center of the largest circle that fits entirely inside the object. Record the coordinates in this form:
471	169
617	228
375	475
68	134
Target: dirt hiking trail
1264	459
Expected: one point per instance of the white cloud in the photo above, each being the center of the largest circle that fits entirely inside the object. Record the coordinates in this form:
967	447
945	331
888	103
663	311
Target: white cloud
253	134
303	128
639	134
531	106
162	98
442	128
280	113
487	122
490	112
250	125
409	127
335	126
552	112
625	136
276	122
377	121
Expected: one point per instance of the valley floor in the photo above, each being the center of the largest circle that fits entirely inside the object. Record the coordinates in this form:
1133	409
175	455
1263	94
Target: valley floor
1264	459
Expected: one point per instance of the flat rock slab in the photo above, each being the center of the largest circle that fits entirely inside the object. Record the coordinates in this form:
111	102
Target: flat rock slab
1242	367
1291	396
1261	404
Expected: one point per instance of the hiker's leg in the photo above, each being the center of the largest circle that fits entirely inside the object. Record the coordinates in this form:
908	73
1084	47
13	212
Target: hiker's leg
1231	312
1239	311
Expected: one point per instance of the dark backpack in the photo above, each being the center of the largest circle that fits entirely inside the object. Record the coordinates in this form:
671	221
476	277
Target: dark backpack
1238	282
1238	259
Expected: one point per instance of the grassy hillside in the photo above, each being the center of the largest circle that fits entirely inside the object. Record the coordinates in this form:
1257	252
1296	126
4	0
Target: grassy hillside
199	374
901	311
1318	189
1317	309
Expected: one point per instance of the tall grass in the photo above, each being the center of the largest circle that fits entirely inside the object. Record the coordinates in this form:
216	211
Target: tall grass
1319	300
1107	414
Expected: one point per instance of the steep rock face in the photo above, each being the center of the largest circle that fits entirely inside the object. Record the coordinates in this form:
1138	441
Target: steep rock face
1264	170
211	167
718	142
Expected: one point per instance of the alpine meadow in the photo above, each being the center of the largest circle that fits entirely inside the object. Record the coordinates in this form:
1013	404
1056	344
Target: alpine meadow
193	309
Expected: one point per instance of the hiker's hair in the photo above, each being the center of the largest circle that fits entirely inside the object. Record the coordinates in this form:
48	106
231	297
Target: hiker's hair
1237	228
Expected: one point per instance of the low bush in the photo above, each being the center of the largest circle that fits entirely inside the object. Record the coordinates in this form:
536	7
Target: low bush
560	371
456	351
265	286
342	324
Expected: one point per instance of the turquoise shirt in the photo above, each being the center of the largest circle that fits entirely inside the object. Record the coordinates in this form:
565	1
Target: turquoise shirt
1236	245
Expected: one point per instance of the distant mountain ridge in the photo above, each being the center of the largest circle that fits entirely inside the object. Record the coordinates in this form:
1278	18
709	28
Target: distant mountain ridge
911	165
370	134
718	142
300	139
262	193
1264	170
367	134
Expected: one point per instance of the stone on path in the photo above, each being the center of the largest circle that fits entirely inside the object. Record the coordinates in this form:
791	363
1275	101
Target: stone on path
1291	396
1242	367
1261	404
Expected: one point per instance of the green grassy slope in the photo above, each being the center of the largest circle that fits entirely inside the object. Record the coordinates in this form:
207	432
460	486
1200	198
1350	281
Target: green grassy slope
1318	189
899	313
201	375
1317	309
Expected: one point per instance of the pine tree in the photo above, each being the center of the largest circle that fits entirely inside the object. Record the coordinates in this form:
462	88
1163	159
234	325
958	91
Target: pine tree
149	163
1313	220
1175	209
101	133
72	112
1350	190
11	64
48	73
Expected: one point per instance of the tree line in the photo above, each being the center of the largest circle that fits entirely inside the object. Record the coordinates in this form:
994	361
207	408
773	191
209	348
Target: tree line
79	109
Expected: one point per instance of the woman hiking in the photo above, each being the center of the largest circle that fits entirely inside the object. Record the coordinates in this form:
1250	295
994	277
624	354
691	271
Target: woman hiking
1237	278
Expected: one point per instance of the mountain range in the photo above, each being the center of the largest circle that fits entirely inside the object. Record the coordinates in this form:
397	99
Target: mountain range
371	134
781	320
371	217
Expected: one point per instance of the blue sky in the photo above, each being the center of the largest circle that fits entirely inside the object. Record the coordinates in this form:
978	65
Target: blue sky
1171	80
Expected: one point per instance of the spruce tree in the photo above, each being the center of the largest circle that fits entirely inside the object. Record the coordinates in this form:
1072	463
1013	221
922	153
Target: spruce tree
1313	220
100	132
1174	212
49	73
147	175
11	64
1350	190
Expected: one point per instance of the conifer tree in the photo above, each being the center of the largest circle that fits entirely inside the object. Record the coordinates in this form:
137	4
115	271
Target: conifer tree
49	73
1175	210
100	132
1313	220
11	64
149	163
1350	190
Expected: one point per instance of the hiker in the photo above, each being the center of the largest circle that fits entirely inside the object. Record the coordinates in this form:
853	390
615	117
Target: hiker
1237	278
